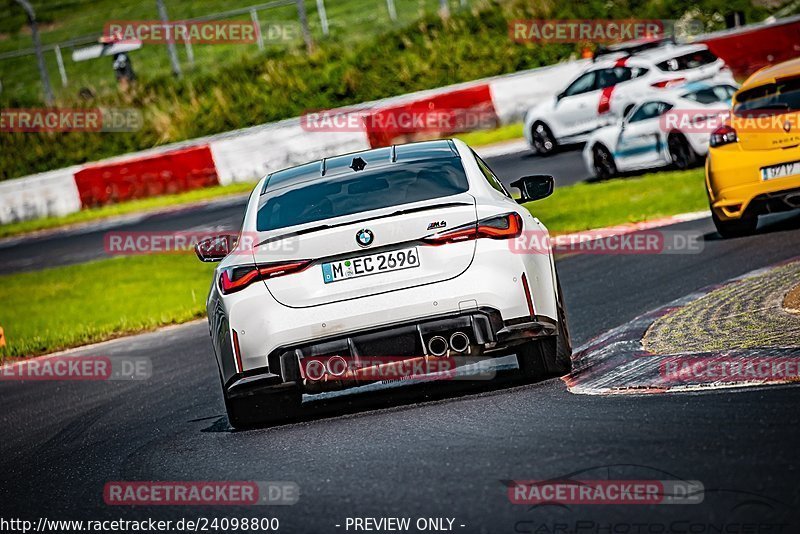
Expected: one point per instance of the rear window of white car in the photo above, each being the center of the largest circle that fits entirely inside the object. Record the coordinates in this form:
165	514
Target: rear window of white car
692	60
711	95
320	198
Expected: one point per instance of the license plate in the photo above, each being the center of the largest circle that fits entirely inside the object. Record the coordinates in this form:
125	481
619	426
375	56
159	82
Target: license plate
780	171
382	262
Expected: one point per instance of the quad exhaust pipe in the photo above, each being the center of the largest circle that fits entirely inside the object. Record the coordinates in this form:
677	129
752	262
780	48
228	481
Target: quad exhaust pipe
459	342
438	346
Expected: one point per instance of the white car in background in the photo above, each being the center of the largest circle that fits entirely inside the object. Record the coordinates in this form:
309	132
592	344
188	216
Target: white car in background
399	252
602	93
671	127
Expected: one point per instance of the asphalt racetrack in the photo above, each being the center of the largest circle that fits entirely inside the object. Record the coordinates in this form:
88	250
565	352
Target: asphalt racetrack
445	450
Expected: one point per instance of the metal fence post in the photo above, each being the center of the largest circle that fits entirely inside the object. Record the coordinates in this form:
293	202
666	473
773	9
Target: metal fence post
301	14
257	23
37	43
189	50
392	10
171	51
61	70
323	16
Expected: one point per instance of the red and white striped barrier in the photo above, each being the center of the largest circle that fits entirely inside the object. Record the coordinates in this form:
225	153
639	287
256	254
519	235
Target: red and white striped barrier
252	152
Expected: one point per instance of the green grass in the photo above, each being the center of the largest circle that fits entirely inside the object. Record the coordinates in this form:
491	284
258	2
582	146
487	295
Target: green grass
62	307
488	137
625	200
125	208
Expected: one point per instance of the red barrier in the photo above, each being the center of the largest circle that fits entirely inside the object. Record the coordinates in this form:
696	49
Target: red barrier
751	48
440	115
149	176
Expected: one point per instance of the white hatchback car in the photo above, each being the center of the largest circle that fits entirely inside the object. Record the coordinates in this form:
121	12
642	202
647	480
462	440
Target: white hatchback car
404	252
602	94
668	128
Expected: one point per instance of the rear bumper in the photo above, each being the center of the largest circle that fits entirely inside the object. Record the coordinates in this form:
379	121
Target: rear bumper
484	327
735	186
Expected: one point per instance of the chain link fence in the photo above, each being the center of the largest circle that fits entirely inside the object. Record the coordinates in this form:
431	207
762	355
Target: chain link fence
280	24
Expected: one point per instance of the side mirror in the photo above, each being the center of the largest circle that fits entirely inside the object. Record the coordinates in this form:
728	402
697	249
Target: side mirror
534	187
560	95
216	247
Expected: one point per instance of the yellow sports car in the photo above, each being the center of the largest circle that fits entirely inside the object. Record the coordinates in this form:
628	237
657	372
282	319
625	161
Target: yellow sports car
753	164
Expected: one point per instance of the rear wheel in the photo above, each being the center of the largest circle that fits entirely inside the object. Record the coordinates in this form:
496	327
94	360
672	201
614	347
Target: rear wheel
248	411
551	356
543	141
743	226
680	152
604	164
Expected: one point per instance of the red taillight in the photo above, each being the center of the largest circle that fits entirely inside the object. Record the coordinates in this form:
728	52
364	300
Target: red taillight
503	227
506	226
235	279
723	135
668	83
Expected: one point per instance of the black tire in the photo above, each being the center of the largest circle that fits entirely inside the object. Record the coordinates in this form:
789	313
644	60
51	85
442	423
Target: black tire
603	162
551	356
681	153
543	142
744	226
263	408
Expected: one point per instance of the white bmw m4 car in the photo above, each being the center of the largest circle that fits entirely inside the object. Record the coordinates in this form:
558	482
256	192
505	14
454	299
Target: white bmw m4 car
404	253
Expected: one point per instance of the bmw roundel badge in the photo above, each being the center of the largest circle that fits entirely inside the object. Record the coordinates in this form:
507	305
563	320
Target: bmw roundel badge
364	237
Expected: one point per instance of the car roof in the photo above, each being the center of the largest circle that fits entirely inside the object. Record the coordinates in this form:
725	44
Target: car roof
773	72
647	57
368	159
